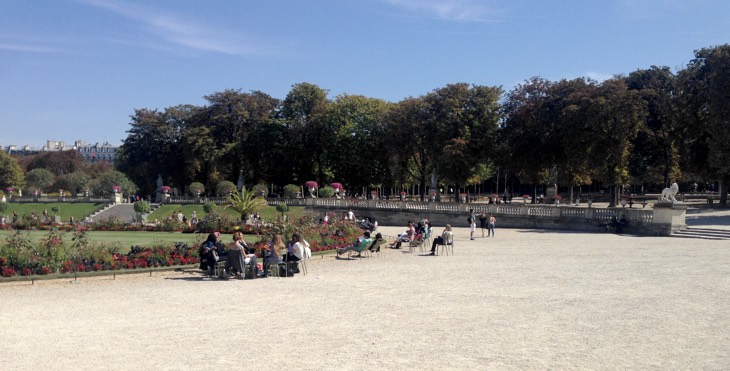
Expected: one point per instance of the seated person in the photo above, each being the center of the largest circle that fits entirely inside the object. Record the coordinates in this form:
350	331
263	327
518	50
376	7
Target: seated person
239	255
208	254
271	253
375	245
360	244
294	252
446	237
406	236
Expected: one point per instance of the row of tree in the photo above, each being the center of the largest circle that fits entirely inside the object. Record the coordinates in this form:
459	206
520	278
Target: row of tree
61	171
646	130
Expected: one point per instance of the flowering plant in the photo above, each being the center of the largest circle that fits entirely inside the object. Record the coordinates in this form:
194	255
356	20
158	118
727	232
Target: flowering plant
337	186
402	193
557	197
525	195
311	184
165	189
116	189
10	189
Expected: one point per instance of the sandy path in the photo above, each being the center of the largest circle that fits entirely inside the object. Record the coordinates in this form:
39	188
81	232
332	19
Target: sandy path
523	300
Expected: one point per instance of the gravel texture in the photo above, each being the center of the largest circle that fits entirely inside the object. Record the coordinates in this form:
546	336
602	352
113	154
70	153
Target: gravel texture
527	299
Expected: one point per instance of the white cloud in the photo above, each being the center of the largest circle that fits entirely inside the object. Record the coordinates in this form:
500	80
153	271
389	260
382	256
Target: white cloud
459	10
28	45
176	30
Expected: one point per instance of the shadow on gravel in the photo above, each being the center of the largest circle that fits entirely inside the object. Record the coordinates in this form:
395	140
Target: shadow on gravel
708	220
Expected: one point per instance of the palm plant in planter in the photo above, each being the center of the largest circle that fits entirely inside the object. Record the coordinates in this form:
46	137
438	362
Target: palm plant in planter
247	203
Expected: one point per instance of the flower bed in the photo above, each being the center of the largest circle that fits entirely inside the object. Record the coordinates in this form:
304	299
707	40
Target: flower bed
19	256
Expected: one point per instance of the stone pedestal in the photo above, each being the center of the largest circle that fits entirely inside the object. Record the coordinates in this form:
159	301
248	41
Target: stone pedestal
117	198
550	193
669	217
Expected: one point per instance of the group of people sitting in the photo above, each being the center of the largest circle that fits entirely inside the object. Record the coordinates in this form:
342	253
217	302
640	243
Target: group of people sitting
240	257
416	232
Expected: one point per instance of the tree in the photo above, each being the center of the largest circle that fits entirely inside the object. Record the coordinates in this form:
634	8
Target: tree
655	155
706	106
523	131
58	162
102	186
355	132
301	112
151	148
11	174
39	179
410	143
75	182
615	117
464	119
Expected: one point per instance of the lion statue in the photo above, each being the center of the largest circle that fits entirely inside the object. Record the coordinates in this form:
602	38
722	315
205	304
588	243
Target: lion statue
669	193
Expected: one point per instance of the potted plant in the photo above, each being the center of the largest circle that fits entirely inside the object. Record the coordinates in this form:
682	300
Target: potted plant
337	187
312	187
557	199
197	188
142	208
116	189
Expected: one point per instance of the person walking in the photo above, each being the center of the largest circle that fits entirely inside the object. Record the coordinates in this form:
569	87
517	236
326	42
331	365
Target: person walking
472	223
483	221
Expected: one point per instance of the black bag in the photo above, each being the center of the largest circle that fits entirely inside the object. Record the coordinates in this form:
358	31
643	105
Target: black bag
250	271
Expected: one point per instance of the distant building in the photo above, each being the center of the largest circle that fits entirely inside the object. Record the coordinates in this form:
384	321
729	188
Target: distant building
96	152
90	152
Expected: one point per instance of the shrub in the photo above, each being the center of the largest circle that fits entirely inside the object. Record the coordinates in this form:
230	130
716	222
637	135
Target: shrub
260	190
326	192
142	207
196	188
291	191
282	208
225	188
208	207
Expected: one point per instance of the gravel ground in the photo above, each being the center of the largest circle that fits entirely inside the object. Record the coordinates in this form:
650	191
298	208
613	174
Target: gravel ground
524	300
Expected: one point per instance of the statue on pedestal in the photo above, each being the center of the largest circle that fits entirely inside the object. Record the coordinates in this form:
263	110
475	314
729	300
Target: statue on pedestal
668	194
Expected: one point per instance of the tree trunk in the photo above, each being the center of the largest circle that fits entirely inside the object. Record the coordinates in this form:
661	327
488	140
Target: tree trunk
612	195
723	191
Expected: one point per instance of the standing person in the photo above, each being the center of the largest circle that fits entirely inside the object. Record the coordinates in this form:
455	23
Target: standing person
483	221
472	224
350	215
490	225
446	237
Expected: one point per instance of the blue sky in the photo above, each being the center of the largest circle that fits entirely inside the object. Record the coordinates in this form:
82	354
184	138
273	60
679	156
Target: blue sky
77	69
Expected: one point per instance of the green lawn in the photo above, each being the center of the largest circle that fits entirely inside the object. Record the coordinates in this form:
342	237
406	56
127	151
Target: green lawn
126	239
65	209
